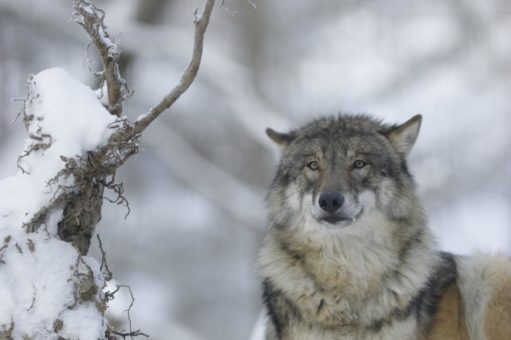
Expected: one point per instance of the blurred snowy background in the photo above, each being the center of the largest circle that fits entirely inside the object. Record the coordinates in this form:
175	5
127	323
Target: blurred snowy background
196	190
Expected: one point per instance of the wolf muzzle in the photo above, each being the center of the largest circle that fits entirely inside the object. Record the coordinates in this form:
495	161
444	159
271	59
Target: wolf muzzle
332	205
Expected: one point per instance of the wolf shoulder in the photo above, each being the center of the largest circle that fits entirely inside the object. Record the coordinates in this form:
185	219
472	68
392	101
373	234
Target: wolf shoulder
479	303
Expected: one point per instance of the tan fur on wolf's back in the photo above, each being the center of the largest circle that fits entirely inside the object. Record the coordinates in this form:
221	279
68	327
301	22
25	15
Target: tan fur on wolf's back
497	323
449	320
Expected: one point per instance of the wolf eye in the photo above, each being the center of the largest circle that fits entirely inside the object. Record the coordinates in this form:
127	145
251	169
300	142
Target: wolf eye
359	164
313	165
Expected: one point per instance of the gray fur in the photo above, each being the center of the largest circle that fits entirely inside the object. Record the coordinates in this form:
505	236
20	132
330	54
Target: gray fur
373	274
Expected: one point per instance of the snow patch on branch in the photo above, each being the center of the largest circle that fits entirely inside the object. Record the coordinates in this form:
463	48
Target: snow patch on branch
70	111
47	290
63	118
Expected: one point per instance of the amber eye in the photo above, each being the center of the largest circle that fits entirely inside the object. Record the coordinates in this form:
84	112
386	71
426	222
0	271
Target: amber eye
313	165
359	164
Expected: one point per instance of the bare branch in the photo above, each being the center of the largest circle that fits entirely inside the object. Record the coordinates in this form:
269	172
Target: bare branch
188	76
107	274
131	333
91	19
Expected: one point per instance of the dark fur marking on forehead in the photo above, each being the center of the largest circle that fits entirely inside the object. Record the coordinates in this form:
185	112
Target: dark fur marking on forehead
344	123
400	138
358	133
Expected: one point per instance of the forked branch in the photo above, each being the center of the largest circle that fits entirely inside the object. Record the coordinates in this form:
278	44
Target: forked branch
201	24
92	20
91	171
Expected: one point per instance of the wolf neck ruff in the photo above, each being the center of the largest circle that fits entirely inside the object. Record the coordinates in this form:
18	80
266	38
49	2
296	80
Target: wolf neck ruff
348	254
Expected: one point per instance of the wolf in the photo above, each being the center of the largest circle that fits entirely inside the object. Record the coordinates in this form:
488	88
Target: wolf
348	253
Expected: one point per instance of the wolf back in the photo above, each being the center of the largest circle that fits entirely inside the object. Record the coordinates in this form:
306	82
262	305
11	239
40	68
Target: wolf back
348	254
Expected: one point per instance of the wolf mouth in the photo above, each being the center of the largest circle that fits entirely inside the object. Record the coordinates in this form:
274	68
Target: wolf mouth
336	219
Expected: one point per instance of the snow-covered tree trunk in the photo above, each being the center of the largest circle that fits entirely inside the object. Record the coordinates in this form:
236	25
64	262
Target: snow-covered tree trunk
77	139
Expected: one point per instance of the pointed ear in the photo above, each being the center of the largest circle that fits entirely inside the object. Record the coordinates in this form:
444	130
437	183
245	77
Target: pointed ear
403	137
282	139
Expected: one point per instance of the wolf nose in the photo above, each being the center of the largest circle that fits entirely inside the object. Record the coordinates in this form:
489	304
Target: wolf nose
331	201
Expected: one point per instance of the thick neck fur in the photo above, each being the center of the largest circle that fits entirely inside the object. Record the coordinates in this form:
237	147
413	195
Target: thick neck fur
361	274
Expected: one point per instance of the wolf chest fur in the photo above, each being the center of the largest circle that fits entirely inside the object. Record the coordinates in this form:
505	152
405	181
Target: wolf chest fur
348	254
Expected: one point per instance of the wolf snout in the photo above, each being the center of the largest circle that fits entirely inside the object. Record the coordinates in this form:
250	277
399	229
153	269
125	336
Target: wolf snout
331	201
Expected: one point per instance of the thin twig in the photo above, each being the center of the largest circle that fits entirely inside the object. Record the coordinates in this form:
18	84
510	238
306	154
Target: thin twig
188	75
107	274
131	333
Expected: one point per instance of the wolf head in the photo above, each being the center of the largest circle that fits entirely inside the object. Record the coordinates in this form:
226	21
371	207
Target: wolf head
340	173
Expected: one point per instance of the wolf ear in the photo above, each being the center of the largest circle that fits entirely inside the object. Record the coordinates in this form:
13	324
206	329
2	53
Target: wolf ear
282	139
403	137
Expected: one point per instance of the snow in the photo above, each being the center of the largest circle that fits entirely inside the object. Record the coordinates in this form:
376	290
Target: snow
40	275
79	121
36	290
260	328
70	113
78	322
